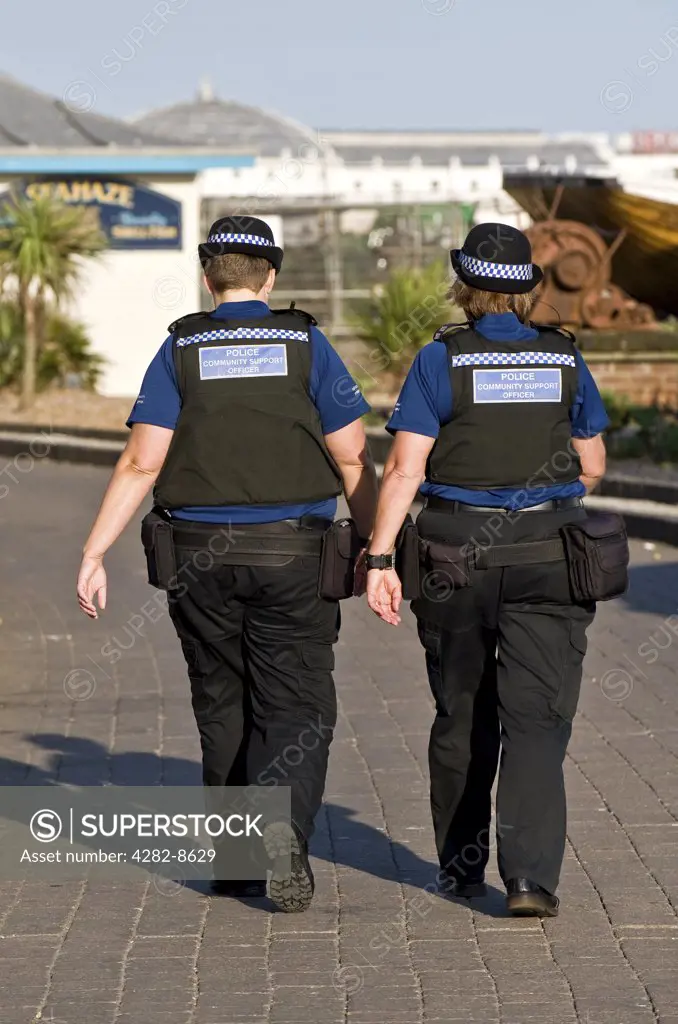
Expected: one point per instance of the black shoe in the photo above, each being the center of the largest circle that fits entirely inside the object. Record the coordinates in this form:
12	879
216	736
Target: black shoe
244	890
462	888
291	885
527	899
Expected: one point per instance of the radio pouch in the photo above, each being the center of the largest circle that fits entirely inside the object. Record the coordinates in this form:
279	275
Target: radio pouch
340	549
407	559
156	537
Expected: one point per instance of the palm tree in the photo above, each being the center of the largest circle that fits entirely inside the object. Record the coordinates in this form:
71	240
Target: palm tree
42	245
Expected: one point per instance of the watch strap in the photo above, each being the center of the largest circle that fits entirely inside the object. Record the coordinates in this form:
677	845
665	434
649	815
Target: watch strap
380	561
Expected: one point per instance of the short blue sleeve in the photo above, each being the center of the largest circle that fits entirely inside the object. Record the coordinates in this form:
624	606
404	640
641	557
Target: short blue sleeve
587	414
333	391
159	401
425	400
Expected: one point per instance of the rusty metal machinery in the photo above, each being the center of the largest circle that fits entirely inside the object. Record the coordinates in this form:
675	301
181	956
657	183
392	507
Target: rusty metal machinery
578	288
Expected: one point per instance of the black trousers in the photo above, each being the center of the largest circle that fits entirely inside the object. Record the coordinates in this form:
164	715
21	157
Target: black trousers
504	658
258	645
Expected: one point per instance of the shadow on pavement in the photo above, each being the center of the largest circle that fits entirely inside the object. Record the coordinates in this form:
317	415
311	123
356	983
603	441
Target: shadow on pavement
79	761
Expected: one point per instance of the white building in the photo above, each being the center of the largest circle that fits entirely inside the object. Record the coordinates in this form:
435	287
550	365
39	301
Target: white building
159	182
367	167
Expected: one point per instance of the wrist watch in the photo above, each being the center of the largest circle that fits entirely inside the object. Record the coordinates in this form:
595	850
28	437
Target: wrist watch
380	561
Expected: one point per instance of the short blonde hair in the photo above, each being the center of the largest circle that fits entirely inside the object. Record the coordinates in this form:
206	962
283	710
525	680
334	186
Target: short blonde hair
476	303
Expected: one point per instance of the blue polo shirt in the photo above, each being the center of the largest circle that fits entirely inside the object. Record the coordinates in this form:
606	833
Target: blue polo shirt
425	404
332	390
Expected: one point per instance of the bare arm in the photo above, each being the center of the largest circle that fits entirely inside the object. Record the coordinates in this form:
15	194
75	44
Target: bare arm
403	474
137	470
591	451
348	448
405	469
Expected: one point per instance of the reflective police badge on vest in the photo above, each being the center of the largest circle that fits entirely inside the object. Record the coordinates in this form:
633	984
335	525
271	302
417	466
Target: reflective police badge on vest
226	361
517	377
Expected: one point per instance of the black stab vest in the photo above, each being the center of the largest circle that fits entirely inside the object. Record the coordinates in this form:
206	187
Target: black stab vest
248	432
503	434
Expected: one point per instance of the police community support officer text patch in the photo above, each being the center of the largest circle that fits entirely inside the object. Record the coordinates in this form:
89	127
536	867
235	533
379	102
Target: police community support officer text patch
517	385
522	378
219	362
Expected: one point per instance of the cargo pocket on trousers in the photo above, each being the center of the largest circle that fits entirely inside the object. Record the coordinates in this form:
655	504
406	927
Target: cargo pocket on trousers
430	638
317	657
191	649
565	705
191	654
316	683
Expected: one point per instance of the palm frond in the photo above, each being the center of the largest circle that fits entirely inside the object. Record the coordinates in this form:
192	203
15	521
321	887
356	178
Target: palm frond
42	243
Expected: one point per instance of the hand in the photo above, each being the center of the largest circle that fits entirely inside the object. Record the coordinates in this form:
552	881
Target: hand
384	594
360	575
91	581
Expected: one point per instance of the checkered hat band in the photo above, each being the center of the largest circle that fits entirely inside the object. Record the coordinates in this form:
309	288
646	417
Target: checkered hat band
239	237
514	359
482	268
243	334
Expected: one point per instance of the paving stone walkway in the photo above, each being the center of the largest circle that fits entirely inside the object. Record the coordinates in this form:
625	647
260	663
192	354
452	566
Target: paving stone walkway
376	947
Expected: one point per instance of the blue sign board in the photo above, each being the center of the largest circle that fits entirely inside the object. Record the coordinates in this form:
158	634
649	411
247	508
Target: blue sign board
131	216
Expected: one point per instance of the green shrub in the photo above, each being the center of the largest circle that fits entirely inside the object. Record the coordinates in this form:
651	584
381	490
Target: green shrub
663	441
65	351
627	447
618	408
11	344
403	316
638	431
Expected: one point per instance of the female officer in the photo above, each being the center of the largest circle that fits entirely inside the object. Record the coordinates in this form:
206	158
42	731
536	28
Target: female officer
502	421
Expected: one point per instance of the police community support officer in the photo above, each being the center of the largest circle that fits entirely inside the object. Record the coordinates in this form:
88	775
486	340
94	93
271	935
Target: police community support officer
248	420
496	417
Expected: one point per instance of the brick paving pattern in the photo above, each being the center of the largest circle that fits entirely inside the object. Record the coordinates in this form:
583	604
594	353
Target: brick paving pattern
376	947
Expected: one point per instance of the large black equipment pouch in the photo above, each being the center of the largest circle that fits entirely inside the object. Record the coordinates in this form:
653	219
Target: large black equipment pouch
341	547
597	552
156	536
407	559
445	568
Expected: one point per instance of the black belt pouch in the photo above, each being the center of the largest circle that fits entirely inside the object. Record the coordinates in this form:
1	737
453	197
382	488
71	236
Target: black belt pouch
156	536
341	547
597	552
407	560
445	568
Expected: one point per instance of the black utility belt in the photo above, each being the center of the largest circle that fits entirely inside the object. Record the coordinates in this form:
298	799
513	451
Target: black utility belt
231	546
436	504
596	551
451	566
335	544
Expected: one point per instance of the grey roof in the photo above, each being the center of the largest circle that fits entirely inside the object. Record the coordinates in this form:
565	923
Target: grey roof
209	121
31	118
472	155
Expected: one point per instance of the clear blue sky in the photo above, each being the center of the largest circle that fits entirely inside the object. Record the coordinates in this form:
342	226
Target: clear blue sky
579	64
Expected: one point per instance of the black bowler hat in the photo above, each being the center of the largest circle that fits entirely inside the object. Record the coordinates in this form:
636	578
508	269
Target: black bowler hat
497	258
247	235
